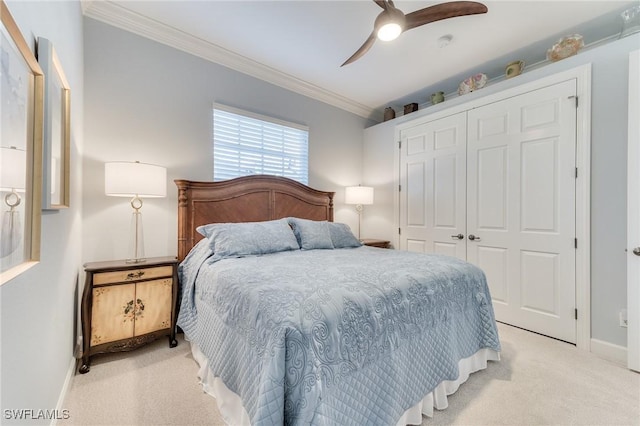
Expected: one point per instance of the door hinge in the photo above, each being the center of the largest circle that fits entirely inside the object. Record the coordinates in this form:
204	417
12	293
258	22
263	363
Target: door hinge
399	188
575	313
576	98
575	243
399	231
399	144
576	173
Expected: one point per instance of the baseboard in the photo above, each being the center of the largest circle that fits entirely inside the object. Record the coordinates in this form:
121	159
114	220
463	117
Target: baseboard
60	410
609	351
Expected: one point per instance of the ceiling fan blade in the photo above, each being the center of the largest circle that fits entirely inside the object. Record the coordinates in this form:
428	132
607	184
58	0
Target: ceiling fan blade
363	49
443	11
381	3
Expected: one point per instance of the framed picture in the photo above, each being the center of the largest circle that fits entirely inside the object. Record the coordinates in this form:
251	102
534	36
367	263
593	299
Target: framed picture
57	125
21	111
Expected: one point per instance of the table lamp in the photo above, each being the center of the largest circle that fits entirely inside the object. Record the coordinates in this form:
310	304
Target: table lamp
136	180
360	196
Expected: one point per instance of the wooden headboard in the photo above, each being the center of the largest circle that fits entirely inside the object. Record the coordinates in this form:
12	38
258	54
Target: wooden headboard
253	198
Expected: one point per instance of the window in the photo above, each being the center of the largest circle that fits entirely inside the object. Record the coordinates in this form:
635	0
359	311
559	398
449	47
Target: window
247	144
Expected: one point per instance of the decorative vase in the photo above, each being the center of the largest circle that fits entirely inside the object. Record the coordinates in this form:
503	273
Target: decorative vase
437	97
389	114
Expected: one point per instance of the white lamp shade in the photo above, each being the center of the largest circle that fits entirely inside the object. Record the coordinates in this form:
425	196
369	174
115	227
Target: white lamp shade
13	175
358	195
125	179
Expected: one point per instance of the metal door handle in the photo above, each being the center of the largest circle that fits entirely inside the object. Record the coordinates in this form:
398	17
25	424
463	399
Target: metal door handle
474	238
636	251
458	237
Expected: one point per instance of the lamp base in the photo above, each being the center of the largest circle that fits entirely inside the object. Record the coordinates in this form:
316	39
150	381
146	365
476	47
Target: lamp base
136	244
359	209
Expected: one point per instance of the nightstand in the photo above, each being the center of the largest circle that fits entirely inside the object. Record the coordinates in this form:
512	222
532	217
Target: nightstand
126	305
376	243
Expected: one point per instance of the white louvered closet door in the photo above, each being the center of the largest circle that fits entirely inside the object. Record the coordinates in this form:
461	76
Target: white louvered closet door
521	207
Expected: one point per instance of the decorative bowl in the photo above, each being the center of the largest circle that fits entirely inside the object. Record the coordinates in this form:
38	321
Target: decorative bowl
565	47
472	83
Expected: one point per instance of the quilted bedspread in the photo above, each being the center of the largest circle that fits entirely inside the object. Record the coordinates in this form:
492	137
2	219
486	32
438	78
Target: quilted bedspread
344	336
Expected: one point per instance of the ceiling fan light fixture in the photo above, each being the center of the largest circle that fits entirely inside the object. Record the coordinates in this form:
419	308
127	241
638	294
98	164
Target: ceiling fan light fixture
389	31
389	24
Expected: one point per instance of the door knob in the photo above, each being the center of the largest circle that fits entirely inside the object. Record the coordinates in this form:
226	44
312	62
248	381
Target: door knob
473	238
636	251
458	237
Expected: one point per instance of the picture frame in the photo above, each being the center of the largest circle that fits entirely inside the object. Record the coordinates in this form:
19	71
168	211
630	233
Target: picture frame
21	130
56	133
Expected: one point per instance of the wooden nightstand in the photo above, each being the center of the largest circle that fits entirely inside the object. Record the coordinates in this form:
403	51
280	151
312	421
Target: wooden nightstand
126	305
376	243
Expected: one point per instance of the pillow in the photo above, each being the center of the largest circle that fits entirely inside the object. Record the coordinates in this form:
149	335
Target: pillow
249	238
311	234
341	236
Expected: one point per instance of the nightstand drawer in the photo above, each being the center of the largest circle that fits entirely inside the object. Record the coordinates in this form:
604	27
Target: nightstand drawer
131	275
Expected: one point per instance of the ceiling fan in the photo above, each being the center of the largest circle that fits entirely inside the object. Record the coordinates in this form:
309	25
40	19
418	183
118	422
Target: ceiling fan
391	22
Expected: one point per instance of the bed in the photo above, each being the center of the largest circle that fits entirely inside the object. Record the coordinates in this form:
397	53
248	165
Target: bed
291	328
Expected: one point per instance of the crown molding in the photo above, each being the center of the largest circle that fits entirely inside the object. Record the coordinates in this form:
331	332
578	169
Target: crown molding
123	18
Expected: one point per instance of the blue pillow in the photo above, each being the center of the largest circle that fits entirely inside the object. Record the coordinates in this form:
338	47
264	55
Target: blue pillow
341	236
311	234
249	238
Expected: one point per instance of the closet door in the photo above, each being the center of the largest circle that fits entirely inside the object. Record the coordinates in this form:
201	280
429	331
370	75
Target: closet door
521	207
433	180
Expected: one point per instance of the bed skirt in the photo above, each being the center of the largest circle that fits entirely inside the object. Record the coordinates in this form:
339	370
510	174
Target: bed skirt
233	413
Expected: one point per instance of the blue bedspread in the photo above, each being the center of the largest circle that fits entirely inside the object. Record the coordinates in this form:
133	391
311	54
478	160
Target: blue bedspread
345	336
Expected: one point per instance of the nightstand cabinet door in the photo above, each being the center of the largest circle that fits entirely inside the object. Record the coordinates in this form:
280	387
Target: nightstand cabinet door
112	316
154	299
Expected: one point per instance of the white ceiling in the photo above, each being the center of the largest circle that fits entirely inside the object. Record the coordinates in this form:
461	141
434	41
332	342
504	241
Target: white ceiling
301	44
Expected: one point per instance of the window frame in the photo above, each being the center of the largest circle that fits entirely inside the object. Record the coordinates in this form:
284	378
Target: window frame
263	118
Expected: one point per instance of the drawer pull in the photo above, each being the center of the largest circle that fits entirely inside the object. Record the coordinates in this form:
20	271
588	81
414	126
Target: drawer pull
135	275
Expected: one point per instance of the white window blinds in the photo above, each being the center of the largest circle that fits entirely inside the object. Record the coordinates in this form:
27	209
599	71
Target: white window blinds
247	144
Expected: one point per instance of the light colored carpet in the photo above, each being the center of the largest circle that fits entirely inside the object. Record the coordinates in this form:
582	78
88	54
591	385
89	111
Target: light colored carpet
539	381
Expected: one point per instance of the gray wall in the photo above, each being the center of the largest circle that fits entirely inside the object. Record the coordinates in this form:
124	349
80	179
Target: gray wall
149	102
37	311
610	65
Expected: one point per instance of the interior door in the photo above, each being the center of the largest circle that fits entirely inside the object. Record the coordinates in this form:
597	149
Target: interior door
433	181
521	207
633	216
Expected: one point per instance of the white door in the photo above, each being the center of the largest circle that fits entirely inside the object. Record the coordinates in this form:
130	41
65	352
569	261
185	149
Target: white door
633	215
521	207
432	187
